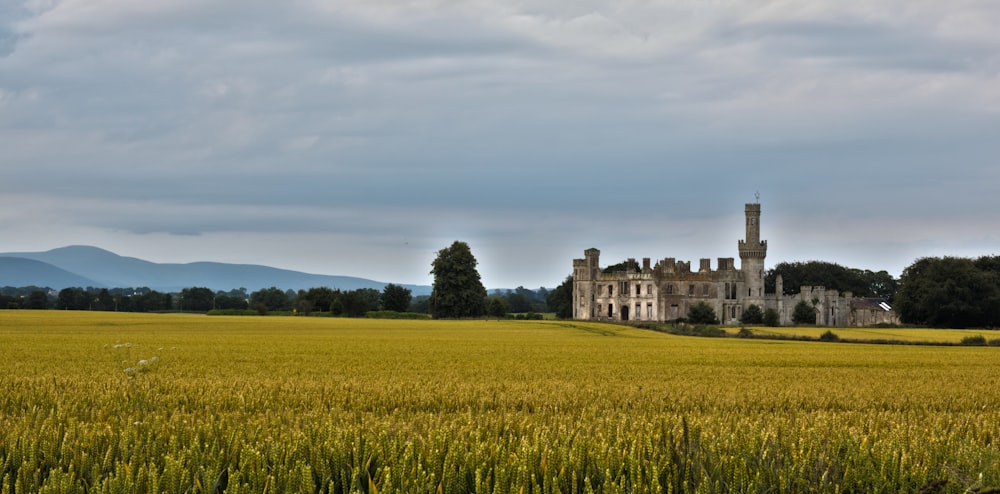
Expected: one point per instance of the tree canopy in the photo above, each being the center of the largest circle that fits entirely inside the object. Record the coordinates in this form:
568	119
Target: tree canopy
560	299
951	292
862	283
396	298
458	290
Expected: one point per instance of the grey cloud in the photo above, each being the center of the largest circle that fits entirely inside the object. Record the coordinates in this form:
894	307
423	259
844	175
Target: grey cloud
10	14
203	118
862	43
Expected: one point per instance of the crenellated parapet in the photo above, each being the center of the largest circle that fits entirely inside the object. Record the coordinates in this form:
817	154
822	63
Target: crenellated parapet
751	251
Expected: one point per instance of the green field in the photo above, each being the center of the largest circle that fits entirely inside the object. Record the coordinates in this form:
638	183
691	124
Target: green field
285	404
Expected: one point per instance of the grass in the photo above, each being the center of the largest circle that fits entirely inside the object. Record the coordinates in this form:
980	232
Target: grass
296	404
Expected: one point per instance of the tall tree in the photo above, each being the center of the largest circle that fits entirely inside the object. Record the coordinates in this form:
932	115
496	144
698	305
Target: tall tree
38	299
497	306
560	299
458	291
396	298
320	297
268	299
950	292
197	299
73	299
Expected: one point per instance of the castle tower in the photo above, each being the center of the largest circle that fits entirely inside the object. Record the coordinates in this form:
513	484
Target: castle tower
752	254
585	273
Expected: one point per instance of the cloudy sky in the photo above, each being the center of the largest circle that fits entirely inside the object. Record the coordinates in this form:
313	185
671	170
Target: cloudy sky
358	137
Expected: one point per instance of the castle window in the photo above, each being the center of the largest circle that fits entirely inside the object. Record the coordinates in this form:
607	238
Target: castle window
691	290
611	290
638	290
670	289
649	311
638	311
704	289
649	289
611	310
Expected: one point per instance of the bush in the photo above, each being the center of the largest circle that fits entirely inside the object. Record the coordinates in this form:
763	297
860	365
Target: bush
829	336
995	342
804	313
702	313
232	312
753	315
887	325
745	332
698	330
771	318
977	340
391	314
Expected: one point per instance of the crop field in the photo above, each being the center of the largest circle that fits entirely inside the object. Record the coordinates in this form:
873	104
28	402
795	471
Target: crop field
886	334
107	402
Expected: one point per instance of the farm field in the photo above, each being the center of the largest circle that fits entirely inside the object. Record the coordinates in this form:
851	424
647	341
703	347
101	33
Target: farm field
894	334
114	402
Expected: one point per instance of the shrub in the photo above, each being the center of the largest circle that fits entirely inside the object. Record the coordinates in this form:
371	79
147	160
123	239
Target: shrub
391	314
771	318
745	332
698	330
232	312
753	315
829	336
702	313
995	342
804	313
710	331
977	340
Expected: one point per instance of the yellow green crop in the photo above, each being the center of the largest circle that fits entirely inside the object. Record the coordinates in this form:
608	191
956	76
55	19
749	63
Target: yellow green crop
106	402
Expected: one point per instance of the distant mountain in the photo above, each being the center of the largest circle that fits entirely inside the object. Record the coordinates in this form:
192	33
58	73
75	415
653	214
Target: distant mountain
90	266
18	272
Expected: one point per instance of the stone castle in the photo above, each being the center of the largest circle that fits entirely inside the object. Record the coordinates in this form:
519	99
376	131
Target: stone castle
663	292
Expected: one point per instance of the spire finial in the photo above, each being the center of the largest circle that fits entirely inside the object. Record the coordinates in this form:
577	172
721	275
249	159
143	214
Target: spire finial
756	196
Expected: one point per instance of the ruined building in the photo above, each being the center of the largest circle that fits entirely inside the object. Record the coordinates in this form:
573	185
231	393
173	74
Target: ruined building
663	292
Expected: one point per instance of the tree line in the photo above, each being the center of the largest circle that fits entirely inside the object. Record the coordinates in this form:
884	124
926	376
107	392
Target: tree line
200	299
941	292
938	292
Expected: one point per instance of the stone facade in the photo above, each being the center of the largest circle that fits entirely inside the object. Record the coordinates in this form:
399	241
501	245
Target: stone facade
664	291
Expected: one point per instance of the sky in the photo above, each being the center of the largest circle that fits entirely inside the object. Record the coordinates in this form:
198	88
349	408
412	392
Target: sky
361	137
